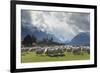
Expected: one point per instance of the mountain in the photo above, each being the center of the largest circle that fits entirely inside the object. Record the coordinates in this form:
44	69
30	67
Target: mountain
82	38
40	35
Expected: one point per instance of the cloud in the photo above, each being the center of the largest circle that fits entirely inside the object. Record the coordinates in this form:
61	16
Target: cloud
64	25
80	20
25	16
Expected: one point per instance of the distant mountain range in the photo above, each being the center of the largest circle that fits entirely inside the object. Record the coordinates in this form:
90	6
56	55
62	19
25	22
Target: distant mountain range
83	38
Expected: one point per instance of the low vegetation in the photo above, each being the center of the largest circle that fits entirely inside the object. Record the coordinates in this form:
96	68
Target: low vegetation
27	57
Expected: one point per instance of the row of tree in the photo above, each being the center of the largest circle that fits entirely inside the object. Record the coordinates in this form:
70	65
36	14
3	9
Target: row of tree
32	41
28	40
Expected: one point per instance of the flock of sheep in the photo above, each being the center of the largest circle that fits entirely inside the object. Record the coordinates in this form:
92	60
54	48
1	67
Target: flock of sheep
57	50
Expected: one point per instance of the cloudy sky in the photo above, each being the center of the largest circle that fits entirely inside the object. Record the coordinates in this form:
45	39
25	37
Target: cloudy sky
64	25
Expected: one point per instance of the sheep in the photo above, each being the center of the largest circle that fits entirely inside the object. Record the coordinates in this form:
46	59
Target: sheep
40	51
24	51
69	49
32	49
86	49
77	51
55	52
49	52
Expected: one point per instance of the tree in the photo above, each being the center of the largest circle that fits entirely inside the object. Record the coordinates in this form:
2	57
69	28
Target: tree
28	40
51	40
34	39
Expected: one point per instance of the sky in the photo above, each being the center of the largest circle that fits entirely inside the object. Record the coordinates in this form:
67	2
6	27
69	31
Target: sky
65	25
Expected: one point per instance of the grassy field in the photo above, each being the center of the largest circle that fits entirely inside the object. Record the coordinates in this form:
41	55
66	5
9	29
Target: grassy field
32	57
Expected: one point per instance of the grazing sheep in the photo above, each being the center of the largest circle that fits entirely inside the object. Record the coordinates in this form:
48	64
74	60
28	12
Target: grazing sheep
32	49
86	49
53	52
24	51
77	51
61	51
40	51
69	49
49	51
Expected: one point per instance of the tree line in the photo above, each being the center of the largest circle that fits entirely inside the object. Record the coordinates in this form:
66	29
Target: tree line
32	41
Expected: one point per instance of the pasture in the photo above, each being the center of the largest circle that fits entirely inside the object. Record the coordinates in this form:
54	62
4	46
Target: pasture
27	57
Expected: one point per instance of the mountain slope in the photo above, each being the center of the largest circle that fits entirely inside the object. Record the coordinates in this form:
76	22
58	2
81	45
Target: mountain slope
82	38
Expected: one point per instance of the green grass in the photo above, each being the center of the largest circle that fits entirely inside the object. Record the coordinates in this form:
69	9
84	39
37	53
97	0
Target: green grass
32	57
